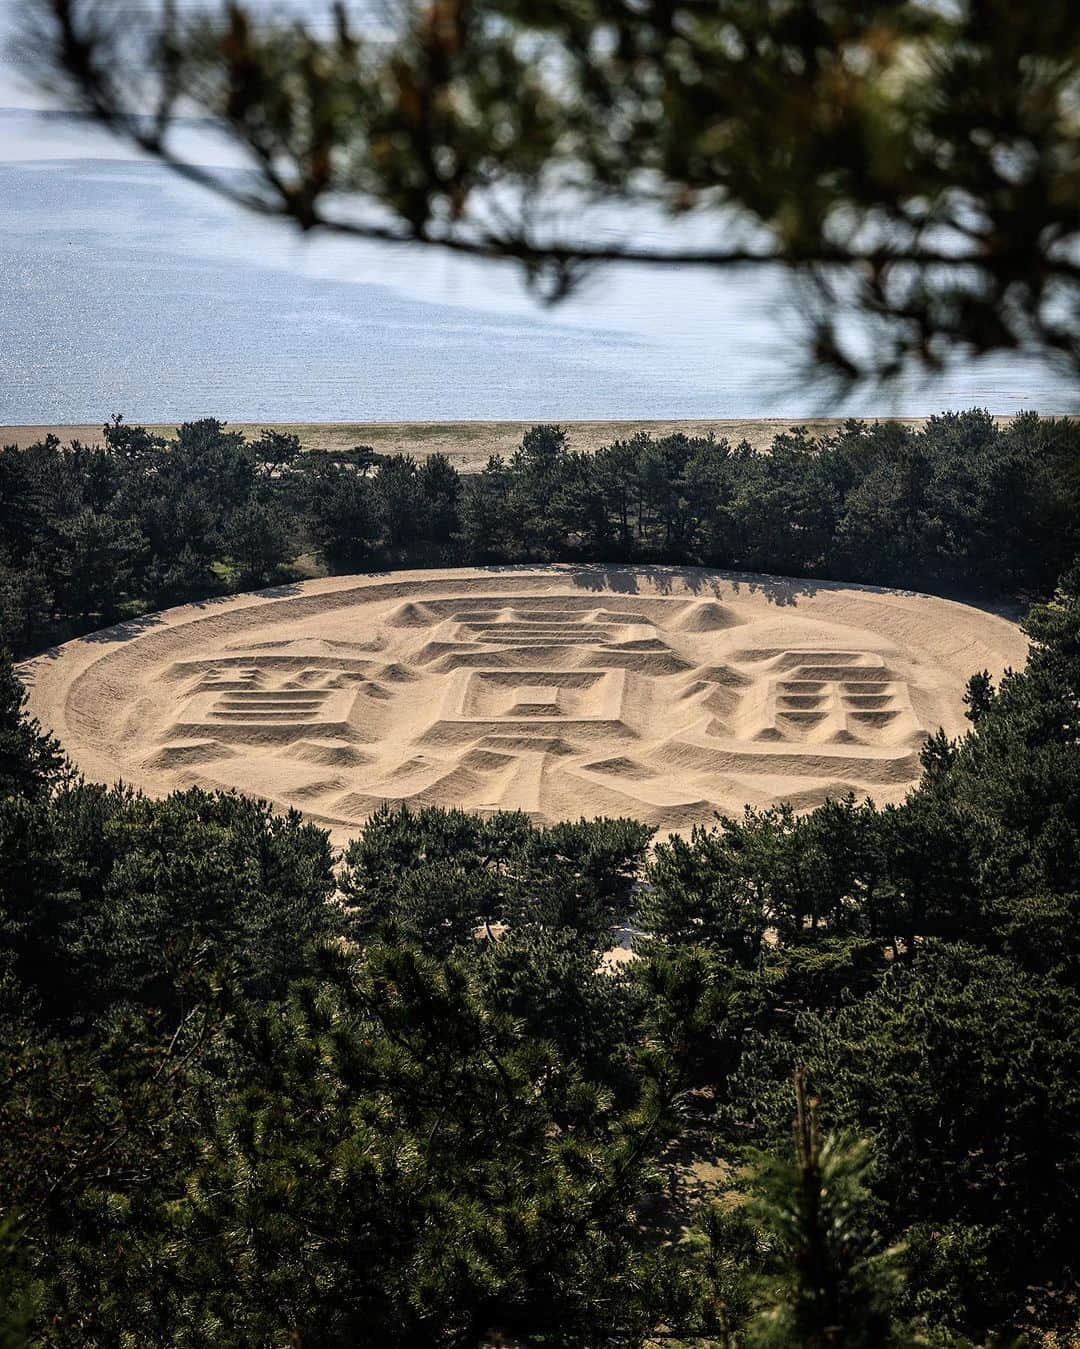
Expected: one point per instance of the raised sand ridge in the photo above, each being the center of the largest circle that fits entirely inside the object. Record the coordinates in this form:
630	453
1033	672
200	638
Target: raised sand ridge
665	694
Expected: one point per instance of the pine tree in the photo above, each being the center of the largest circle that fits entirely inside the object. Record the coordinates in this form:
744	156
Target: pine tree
31	761
835	1288
17	1295
26	604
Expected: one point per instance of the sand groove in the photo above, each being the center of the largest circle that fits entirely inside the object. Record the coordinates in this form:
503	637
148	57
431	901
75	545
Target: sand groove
666	695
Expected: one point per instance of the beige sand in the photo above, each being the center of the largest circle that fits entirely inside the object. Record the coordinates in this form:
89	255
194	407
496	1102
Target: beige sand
665	694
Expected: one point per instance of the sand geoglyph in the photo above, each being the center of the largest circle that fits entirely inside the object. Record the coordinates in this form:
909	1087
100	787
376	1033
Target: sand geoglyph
665	694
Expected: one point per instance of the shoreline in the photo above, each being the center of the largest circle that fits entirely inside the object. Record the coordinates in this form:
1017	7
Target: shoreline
469	444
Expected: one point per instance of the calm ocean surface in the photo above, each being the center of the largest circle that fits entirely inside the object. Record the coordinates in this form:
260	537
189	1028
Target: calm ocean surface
123	289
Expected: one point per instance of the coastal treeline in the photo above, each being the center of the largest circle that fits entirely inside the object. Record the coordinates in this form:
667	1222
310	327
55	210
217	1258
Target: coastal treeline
90	534
253	1095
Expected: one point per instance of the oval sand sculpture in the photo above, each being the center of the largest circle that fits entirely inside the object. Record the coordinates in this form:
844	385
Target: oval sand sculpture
666	694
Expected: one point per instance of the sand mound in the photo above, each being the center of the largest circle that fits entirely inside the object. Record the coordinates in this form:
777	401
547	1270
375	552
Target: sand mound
326	752
409	615
181	753
708	616
558	691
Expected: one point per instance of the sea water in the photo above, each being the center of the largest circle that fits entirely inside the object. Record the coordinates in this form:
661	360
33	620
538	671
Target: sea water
125	289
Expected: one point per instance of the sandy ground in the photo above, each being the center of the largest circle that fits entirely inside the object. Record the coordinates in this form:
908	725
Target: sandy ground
660	693
470	444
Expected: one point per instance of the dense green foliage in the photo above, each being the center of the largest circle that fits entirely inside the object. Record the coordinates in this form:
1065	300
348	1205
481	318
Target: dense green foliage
255	1094
911	164
91	534
251	1098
